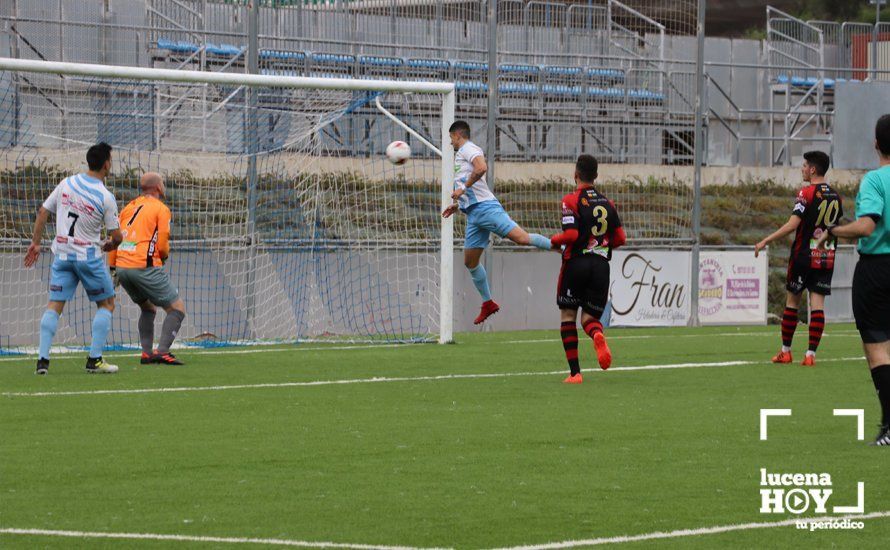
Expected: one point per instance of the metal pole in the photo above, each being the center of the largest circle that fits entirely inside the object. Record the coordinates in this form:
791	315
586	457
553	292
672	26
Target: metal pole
251	135
699	159
874	41
877	40
446	258
491	123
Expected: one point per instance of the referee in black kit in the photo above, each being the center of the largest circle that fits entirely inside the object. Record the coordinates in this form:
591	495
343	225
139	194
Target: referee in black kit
871	280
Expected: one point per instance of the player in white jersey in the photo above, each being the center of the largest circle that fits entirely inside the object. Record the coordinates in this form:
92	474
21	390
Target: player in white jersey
484	213
82	206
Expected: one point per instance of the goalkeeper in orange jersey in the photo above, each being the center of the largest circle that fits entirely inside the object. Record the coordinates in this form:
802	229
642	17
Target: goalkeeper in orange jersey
137	266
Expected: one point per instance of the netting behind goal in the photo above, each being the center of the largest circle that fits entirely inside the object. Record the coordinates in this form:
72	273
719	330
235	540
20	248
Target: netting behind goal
288	222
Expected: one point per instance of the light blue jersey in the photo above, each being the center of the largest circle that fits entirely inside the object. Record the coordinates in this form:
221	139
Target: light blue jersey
463	167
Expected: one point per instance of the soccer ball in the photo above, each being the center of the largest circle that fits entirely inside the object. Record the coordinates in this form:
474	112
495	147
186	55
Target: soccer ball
398	152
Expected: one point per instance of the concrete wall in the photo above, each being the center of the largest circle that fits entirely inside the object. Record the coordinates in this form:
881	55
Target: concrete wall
209	164
298	295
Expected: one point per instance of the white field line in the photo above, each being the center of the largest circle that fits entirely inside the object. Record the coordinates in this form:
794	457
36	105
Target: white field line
193	538
693	532
80	354
27	354
771	334
547	546
385	379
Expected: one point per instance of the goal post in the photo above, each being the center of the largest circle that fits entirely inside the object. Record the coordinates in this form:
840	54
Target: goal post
289	223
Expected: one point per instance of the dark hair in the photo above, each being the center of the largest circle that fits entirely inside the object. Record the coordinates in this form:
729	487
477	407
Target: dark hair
98	155
460	127
882	135
818	160
586	166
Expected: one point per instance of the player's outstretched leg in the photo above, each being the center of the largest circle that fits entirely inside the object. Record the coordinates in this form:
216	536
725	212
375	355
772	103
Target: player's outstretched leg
594	328
569	333
147	331
101	327
520	236
171	326
48	325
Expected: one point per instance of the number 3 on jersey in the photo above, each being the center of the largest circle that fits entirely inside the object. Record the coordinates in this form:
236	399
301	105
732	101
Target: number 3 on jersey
600	221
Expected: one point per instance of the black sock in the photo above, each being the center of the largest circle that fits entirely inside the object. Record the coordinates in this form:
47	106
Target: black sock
881	377
569	333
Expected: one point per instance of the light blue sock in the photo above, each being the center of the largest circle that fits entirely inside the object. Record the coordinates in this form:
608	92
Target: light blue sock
540	241
48	324
101	326
480	279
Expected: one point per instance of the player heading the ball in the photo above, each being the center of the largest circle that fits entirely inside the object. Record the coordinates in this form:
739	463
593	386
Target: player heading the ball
485	215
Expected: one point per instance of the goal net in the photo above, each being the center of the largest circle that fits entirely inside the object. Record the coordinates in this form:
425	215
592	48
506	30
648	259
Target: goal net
289	224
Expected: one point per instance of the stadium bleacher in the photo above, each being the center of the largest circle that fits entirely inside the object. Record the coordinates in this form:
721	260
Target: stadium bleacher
546	82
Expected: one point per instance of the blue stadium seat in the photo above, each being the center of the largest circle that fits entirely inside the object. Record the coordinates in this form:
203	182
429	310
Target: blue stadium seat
518	88
556	70
177	46
470	86
378	61
605	75
282	55
223	50
809	82
332	65
645	95
470	66
438	64
333	58
524	70
605	93
561	90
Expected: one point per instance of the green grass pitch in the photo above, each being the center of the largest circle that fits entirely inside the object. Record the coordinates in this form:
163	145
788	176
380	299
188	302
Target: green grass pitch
414	449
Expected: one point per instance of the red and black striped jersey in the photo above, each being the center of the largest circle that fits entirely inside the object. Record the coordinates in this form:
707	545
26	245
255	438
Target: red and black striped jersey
595	218
819	207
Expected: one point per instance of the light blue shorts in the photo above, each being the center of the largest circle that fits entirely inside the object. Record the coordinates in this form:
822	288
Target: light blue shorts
485	218
92	273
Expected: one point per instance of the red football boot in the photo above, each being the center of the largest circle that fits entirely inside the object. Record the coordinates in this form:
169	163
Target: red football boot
489	308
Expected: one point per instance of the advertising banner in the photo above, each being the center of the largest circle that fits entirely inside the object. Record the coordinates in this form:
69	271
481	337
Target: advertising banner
732	287
650	288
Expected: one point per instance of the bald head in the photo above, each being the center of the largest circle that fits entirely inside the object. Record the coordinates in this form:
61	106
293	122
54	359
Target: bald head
152	184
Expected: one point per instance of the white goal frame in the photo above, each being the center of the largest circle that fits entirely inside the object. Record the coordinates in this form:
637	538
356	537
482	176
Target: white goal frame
446	89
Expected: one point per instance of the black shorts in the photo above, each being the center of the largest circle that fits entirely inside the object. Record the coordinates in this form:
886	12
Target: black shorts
802	277
584	283
871	298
